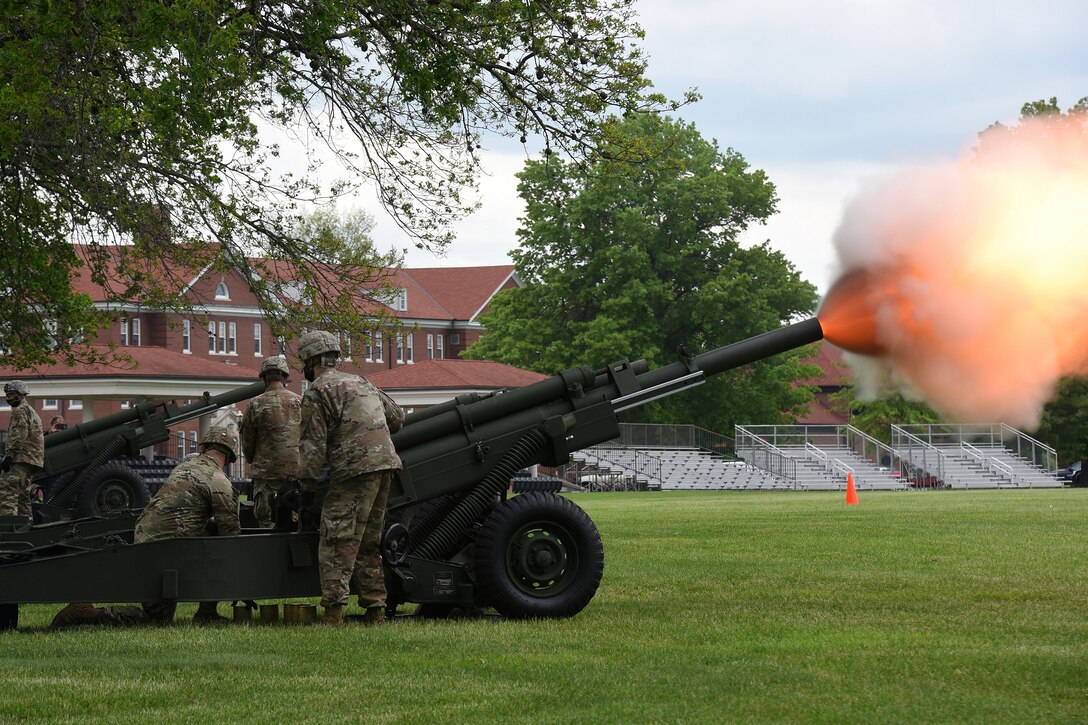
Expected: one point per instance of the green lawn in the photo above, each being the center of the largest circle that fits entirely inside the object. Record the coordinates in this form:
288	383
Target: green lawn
740	607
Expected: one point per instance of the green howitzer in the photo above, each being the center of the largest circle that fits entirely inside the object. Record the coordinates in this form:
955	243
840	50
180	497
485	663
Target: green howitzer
84	482
453	542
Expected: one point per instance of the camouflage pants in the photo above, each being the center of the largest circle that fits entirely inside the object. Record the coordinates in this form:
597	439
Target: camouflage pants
264	493
352	518
14	497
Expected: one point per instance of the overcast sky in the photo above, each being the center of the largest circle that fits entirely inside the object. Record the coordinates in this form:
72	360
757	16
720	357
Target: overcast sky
825	95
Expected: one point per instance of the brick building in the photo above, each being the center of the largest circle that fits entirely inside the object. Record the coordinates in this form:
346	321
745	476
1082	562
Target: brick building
221	348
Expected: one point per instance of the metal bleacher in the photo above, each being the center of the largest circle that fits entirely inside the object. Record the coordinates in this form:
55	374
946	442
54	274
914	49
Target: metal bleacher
817	457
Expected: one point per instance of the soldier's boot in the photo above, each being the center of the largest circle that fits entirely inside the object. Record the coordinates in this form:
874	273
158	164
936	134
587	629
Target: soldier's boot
334	616
206	614
76	614
374	615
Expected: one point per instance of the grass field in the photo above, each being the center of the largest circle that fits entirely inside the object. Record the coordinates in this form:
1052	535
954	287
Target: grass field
715	607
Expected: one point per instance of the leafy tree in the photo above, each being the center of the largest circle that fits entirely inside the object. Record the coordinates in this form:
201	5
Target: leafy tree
122	119
876	416
632	260
1064	423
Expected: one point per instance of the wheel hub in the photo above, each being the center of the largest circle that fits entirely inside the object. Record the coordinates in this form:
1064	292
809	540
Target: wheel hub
538	560
114	497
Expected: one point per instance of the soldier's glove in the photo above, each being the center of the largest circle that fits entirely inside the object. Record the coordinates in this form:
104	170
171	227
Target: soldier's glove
5	465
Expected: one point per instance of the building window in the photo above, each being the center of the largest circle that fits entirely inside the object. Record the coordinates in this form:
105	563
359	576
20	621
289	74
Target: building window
430	347
305	385
441	340
50	403
256	338
192	441
409	351
75	404
211	336
186	331
368	344
126	404
232	338
400	349
124	331
222	337
379	351
282	345
136	332
398	299
345	345
181	446
221	291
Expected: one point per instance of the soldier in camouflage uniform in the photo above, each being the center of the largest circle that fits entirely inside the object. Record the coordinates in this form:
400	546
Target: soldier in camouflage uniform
346	426
196	500
269	434
24	453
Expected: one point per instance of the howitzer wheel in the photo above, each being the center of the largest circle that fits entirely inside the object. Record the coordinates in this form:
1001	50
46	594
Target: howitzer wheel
111	487
538	555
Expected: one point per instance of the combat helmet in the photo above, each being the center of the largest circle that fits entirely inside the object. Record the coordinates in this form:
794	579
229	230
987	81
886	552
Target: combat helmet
224	437
274	363
317	342
16	386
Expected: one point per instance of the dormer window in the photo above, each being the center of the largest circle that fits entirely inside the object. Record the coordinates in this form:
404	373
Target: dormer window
221	291
398	299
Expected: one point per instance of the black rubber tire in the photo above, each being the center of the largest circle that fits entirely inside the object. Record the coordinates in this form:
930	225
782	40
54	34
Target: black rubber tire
9	616
538	555
111	487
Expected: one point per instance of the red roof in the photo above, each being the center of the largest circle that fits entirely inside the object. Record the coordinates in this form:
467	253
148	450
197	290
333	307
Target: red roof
150	362
461	291
455	374
441	293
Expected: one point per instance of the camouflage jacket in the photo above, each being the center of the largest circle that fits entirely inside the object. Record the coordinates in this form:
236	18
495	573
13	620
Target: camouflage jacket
269	434
26	442
196	494
346	424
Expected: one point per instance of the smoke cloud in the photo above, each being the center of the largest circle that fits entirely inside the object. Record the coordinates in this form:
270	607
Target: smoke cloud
983	269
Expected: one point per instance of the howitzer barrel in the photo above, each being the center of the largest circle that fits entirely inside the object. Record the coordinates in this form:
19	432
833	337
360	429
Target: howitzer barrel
450	450
739	354
145	424
173	414
466	413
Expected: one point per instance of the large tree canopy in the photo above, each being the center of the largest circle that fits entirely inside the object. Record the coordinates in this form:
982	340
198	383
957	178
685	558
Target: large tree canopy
119	118
633	260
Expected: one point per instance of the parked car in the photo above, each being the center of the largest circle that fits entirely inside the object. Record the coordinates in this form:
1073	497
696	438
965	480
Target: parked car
1069	473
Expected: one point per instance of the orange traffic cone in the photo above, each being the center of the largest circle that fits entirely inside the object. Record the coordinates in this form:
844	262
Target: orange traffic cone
851	492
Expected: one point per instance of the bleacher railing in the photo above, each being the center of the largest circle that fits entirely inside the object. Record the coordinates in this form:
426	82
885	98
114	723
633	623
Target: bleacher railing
764	454
671	435
991	435
924	462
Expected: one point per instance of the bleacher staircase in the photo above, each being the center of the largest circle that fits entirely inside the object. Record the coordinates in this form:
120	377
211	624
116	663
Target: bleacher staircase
649	457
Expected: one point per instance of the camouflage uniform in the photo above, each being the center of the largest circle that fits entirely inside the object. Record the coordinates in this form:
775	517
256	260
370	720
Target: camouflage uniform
346	424
195	496
26	449
269	433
